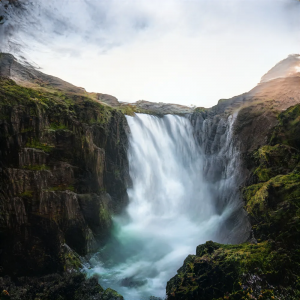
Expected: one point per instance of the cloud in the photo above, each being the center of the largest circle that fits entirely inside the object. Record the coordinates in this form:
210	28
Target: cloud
183	51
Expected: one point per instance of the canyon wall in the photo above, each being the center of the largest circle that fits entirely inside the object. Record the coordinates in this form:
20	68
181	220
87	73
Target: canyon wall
64	171
266	133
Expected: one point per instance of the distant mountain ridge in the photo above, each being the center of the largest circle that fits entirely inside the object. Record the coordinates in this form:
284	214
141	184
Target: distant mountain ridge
286	68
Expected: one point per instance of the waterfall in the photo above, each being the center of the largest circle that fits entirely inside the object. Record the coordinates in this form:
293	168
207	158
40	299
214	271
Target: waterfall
176	203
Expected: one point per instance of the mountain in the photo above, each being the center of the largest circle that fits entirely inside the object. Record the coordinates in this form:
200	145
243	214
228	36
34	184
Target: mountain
289	67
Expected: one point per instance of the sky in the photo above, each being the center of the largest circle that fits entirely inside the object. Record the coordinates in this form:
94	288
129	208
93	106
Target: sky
190	52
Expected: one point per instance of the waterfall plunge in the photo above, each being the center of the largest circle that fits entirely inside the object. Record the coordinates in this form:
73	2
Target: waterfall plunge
173	206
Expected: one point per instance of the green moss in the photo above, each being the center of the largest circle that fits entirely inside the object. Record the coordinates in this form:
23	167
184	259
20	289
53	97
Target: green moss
71	260
129	110
274	208
33	143
29	129
36	167
105	215
57	126
61	187
263	174
59	106
288	130
219	269
110	294
232	272
28	194
275	160
200	109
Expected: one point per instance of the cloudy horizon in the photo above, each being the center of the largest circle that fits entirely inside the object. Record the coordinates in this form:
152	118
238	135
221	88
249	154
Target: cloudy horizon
179	51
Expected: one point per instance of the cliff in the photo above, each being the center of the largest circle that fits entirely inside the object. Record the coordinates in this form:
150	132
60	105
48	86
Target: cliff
64	171
266	134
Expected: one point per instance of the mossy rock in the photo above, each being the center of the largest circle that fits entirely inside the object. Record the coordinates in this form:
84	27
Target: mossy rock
288	130
246	271
275	160
110	294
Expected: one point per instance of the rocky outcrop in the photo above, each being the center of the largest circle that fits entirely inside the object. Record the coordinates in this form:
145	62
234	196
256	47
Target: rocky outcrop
154	108
64	171
108	99
162	108
72	286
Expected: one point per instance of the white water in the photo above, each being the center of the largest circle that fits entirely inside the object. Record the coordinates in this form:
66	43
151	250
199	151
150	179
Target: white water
172	209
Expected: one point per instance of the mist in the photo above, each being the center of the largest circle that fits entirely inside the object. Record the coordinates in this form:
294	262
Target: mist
179	51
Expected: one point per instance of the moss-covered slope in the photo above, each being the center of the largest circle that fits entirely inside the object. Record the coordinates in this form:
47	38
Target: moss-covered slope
268	267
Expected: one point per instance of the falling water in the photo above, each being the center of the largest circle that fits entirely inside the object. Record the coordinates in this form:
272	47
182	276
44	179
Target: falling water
172	209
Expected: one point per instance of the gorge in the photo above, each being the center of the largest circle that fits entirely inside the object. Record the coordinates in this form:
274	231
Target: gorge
180	194
125	192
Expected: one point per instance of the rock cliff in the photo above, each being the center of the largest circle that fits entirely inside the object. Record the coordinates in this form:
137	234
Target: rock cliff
64	171
266	134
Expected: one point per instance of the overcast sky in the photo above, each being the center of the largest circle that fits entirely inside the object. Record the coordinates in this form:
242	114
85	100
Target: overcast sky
179	51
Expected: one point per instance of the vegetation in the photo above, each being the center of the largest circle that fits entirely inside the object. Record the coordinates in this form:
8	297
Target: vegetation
27	194
61	107
200	109
36	167
61	187
227	272
33	143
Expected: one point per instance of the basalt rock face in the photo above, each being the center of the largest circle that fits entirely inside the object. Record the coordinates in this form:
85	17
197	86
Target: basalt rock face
265	133
64	171
223	170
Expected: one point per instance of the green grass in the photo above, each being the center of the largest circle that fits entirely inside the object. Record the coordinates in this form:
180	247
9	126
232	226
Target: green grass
58	105
33	143
58	126
61	187
27	194
36	167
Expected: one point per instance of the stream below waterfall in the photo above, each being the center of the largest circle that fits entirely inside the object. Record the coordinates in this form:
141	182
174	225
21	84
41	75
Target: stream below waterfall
173	207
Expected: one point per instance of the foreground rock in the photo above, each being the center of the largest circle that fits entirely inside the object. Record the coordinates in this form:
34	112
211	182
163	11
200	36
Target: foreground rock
55	286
